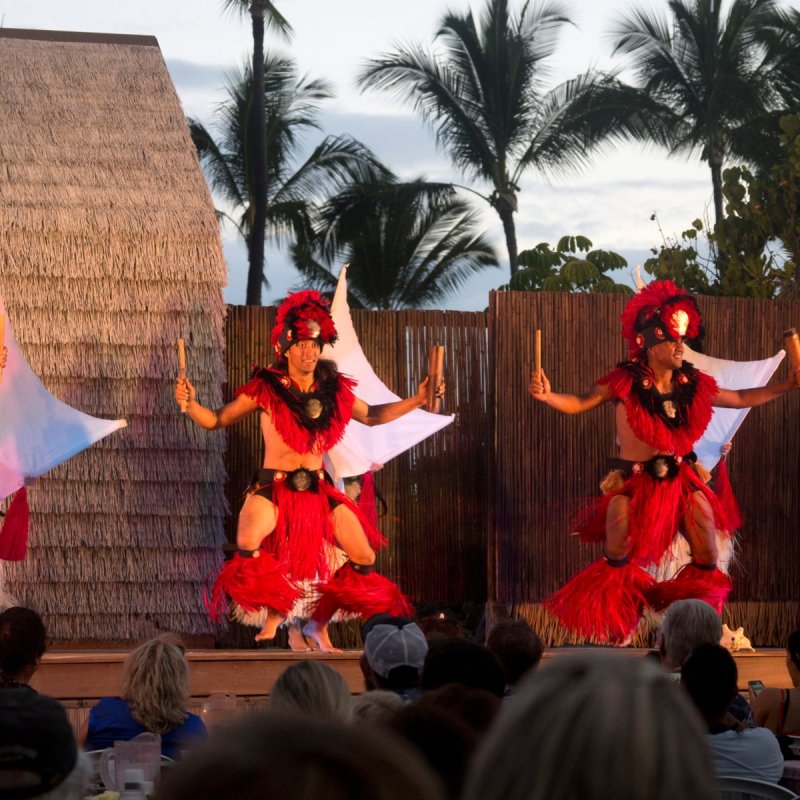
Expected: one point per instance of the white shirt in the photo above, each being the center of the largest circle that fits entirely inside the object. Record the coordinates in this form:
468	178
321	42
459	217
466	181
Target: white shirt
751	753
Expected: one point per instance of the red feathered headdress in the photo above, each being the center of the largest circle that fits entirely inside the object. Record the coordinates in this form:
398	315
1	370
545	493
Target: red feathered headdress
302	315
660	312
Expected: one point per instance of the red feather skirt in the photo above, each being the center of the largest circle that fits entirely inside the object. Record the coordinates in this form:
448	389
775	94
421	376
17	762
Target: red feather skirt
657	510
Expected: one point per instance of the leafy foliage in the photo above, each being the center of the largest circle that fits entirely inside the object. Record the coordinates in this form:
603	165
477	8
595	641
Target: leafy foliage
572	267
296	182
483	92
758	240
711	78
408	244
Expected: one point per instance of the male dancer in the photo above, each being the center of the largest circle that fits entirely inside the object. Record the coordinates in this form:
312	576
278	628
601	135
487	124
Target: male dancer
662	405
292	512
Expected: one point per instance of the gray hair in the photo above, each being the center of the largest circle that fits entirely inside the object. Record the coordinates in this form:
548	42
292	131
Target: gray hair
686	625
312	688
595	726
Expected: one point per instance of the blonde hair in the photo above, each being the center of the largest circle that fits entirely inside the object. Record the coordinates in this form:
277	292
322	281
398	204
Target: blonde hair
312	688
595	726
155	682
377	706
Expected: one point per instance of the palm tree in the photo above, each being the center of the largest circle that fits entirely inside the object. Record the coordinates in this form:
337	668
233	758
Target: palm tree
485	98
293	185
708	79
263	13
408	244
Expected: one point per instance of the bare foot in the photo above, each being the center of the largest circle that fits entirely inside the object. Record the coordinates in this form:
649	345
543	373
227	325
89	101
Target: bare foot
297	642
274	621
319	636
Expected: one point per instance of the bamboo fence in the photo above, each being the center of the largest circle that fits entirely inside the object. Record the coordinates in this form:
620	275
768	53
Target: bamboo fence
110	251
435	495
544	463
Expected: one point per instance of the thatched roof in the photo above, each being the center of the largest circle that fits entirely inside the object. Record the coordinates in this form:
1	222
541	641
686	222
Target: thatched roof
109	252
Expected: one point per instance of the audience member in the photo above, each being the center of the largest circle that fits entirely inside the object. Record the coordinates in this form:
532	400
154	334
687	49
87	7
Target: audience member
293	758
155	693
460	661
595	726
311	688
687	625
38	752
475	707
446	742
711	679
779	709
377	706
517	648
394	652
23	640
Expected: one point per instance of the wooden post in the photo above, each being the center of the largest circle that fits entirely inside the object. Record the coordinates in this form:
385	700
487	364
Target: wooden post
792	341
435	370
182	368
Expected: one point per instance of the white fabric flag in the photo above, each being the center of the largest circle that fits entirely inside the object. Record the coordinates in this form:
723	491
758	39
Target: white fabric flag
363	448
37	431
728	375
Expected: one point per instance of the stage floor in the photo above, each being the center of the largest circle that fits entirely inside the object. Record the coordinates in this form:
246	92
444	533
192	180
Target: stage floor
78	678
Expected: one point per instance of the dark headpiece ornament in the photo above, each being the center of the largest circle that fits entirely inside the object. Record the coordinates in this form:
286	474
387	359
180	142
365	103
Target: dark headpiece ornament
660	312
302	315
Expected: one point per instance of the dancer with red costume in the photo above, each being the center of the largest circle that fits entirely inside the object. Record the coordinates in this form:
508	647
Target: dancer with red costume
662	405
293	513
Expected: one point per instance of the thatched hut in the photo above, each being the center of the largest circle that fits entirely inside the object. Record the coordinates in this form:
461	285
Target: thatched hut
109	252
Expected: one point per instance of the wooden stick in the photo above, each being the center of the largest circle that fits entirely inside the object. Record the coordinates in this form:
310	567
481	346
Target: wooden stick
792	341
435	371
182	368
539	353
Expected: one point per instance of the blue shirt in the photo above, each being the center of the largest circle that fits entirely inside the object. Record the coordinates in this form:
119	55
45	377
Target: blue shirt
111	721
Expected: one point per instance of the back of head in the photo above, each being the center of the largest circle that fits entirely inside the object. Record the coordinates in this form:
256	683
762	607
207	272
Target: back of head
23	640
517	647
155	681
460	661
314	689
686	625
395	650
376	707
446	742
711	678
293	758
475	707
38	752
595	725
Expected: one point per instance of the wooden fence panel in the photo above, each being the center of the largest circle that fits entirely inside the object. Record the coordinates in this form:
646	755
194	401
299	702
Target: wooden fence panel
544	462
435	494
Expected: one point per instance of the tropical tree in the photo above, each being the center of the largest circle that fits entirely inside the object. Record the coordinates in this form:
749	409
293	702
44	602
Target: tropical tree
710	79
294	184
408	244
758	240
263	13
485	97
573	266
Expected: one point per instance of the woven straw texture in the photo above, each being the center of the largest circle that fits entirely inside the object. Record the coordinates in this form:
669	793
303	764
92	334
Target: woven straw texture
109	252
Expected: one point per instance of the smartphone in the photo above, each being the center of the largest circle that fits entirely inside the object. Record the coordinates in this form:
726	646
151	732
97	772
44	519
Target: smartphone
755	687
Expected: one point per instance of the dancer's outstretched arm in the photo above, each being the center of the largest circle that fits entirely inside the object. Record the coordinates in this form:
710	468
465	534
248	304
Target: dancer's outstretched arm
757	396
208	418
387	412
539	389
